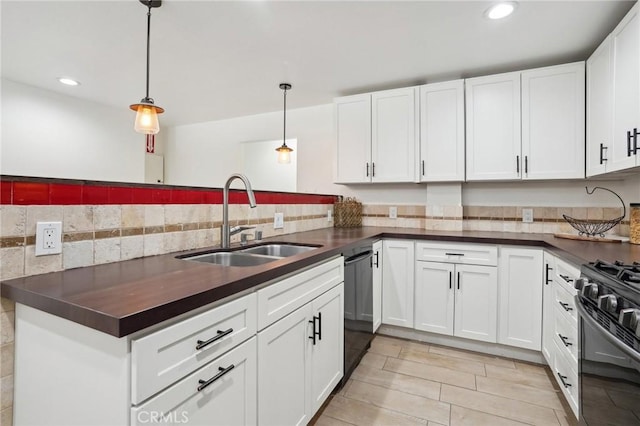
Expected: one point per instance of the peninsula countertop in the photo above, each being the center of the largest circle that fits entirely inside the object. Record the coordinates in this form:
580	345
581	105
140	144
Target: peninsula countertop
124	297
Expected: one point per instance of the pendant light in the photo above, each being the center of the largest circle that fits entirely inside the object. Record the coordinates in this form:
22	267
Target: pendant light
146	111
284	152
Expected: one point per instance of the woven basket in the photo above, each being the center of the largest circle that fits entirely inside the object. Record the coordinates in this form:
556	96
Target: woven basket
347	213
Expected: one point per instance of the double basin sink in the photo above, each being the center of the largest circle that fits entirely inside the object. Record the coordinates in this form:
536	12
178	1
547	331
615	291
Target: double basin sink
250	256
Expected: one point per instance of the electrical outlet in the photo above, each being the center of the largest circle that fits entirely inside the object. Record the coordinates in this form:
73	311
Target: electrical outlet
278	221
393	212
48	238
527	215
329	215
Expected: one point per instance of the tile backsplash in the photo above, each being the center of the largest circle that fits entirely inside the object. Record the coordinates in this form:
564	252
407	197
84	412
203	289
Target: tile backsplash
489	218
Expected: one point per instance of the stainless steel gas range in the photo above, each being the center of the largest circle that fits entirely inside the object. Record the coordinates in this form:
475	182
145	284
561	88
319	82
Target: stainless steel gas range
608	302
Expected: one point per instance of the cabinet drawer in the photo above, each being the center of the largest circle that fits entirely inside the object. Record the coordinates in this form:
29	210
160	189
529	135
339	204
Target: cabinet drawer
566	274
565	335
229	399
565	301
163	357
470	254
567	378
280	299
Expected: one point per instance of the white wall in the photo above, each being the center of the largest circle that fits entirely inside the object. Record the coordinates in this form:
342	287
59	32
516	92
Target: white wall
207	153
46	134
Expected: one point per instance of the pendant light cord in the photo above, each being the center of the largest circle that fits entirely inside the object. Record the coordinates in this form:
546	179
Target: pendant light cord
148	46
284	130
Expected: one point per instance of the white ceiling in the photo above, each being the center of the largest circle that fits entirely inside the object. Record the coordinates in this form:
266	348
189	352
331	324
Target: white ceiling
212	60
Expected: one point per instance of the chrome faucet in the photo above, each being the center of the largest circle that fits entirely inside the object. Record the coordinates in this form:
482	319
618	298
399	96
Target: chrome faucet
227	232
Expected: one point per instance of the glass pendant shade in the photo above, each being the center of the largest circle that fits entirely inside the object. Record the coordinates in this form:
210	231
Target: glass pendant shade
146	118
284	154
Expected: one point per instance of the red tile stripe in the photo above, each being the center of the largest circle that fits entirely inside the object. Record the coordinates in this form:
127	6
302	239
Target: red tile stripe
36	191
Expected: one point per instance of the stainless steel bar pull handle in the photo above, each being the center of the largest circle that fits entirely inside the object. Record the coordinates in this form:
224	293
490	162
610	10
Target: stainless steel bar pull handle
202	343
450	280
367	169
422	167
517	164
526	164
458	280
373	169
222	372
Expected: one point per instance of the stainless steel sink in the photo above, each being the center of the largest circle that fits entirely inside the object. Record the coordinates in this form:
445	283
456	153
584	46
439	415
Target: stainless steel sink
233	258
279	250
251	256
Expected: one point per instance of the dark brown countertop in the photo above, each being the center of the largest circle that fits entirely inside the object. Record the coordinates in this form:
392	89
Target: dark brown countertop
124	297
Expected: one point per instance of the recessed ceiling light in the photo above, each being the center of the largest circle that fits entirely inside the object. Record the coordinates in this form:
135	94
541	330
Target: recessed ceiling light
500	10
68	81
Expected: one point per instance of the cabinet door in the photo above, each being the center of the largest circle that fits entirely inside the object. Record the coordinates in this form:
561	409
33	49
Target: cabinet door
377	285
493	127
548	318
599	108
284	367
397	283
520	292
394	135
353	138
553	102
442	132
476	302
625	41
434	297
327	351
228	399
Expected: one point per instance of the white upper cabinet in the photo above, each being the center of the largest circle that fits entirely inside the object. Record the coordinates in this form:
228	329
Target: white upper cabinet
394	135
377	137
442	132
613	99
553	102
625	43
526	125
599	108
493	127
353	137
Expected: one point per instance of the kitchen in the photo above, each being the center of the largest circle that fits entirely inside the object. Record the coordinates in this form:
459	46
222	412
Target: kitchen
111	154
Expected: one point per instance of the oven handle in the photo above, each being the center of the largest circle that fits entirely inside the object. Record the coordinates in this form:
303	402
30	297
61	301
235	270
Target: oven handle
615	342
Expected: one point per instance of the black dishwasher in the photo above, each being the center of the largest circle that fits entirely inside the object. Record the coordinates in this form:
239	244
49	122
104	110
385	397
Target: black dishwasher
358	305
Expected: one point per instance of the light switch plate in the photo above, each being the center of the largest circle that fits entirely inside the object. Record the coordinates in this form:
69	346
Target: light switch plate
278	221
48	238
527	215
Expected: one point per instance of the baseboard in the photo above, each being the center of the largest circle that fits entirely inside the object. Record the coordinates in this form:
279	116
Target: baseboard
466	344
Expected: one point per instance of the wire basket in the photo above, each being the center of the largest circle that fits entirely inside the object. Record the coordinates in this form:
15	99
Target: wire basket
594	227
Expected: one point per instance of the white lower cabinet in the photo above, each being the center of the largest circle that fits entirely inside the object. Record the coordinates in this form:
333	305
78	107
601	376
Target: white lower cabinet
560	326
376	265
455	299
548	307
476	307
398	283
520	294
221	393
301	360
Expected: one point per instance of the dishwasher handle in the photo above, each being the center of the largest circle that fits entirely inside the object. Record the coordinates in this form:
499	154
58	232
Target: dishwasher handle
358	257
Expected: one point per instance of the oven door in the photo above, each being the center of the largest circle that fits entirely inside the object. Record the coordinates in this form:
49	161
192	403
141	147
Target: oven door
609	372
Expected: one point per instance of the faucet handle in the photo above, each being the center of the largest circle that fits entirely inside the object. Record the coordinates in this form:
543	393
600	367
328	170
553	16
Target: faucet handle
243	239
257	235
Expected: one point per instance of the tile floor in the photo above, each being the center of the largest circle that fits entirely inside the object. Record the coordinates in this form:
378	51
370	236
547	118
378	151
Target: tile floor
401	382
